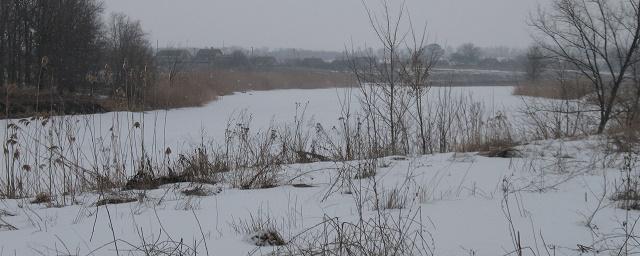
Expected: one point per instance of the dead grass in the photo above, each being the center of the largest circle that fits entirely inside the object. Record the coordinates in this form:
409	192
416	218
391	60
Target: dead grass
120	199
41	198
261	229
363	169
196	88
382	234
628	199
554	89
198	166
267	238
182	89
625	139
393	199
195	191
494	137
146	181
506	152
20	102
494	148
627	193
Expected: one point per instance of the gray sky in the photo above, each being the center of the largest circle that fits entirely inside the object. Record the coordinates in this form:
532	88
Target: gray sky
321	24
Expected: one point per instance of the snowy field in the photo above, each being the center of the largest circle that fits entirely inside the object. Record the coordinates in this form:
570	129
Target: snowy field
186	126
554	199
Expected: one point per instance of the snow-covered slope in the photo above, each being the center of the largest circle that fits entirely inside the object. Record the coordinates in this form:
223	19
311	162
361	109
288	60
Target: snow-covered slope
464	201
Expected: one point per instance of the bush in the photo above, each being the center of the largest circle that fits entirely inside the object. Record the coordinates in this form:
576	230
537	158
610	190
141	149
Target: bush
260	229
41	198
628	191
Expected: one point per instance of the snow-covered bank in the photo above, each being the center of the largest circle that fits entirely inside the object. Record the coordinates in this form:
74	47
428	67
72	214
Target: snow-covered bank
462	200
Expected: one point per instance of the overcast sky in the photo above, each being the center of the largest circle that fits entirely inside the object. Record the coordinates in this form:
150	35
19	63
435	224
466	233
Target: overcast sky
321	24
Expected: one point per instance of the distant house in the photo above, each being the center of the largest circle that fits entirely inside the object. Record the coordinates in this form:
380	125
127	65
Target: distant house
207	55
363	61
169	56
313	63
340	64
263	61
224	61
234	60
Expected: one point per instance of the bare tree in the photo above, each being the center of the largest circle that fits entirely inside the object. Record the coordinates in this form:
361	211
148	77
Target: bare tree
534	63
387	28
598	38
65	32
416	72
380	80
468	54
395	80
631	96
130	56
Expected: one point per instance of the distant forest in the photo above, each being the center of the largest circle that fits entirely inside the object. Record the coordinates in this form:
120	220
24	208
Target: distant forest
67	45
465	56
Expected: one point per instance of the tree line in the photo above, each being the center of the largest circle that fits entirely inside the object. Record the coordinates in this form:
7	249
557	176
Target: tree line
67	46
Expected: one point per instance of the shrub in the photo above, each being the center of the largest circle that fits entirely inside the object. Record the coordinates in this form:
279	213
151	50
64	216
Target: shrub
115	199
260	229
41	198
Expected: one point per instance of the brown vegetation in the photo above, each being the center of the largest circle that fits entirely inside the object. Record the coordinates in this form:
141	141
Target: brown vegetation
41	198
115	199
196	88
184	89
24	102
552	89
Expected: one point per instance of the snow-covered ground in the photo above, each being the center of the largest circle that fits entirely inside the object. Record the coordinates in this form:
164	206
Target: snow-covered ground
466	203
461	197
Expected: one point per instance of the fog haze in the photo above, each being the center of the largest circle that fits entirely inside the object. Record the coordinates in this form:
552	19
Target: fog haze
321	25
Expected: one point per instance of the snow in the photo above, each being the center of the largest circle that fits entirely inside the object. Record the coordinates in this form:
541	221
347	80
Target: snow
462	198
